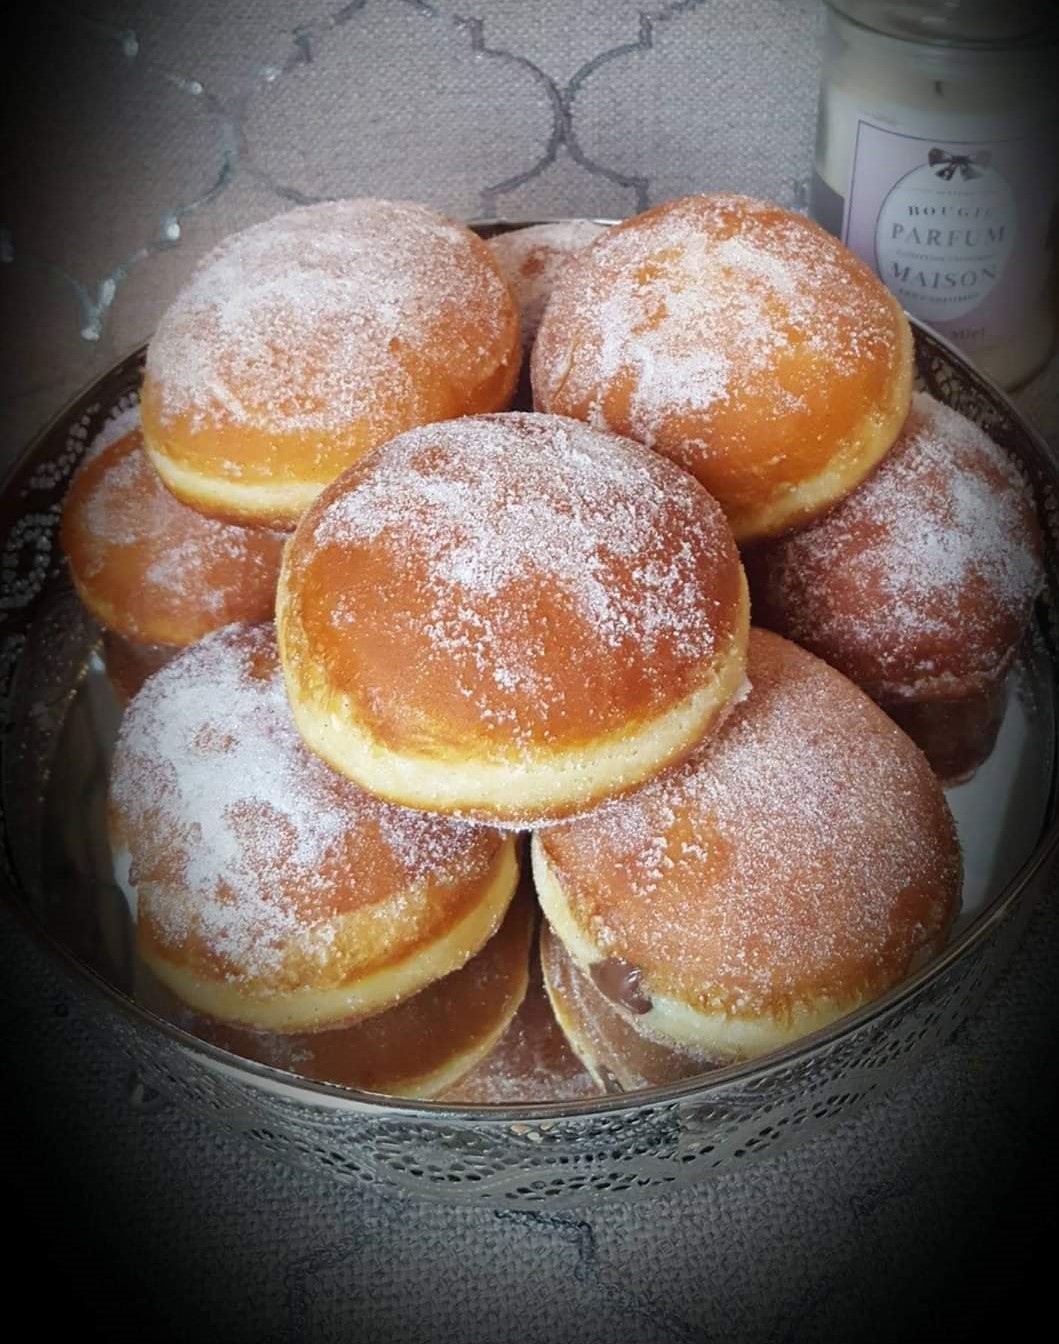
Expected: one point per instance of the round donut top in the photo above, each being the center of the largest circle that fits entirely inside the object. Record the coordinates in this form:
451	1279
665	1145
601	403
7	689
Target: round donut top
320	316
731	334
533	258
807	853
923	579
516	580
149	567
245	846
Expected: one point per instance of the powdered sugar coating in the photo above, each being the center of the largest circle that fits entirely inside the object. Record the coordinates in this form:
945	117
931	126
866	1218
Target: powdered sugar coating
806	854
302	322
532	260
923	579
537	576
150	567
245	846
557	499
696	303
742	341
126	421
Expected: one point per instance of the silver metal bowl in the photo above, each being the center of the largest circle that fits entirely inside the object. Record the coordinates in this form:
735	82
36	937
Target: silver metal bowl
58	725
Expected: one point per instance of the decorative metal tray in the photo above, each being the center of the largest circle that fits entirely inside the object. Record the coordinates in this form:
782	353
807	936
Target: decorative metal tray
58	721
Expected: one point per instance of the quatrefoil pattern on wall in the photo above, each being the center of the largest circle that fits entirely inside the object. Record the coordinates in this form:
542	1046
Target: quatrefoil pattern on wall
150	132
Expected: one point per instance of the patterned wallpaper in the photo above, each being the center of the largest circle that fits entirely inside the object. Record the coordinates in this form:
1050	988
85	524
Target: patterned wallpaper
151	130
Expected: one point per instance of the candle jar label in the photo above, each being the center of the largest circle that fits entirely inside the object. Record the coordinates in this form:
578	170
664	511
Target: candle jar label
945	235
958	229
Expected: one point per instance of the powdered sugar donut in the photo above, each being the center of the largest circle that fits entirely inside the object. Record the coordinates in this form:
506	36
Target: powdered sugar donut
617	1056
798	866
742	341
272	893
920	585
423	1046
303	342
510	617
532	1061
153	571
532	260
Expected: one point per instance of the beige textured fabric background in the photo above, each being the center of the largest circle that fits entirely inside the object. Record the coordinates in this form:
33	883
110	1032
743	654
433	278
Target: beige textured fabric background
149	131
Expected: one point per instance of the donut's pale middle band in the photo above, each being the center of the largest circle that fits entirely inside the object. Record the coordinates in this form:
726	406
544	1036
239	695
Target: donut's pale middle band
797	505
718	1035
576	1039
247	501
537	787
307	1009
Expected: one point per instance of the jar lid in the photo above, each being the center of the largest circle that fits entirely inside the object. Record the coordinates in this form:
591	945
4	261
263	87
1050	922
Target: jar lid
956	23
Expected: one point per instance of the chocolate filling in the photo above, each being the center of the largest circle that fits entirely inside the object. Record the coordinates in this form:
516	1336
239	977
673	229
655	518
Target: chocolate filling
619	981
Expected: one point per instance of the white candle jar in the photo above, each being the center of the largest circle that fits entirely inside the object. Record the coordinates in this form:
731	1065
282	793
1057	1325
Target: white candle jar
937	162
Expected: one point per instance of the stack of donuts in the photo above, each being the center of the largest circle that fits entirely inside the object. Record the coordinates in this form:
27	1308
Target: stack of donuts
403	665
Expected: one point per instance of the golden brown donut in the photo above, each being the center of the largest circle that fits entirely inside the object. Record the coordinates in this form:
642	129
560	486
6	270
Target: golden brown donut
955	733
740	340
272	893
617	1056
795	868
303	342
533	258
151	570
920	585
420	1048
510	617
532	1061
